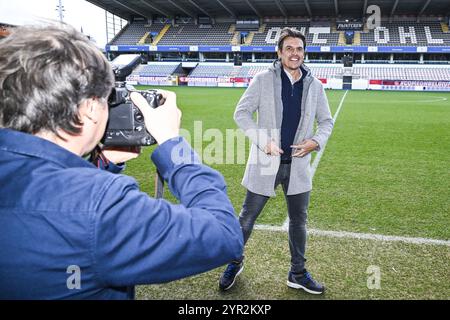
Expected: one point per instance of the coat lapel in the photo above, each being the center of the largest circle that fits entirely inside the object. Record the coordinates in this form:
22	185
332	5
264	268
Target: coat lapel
278	102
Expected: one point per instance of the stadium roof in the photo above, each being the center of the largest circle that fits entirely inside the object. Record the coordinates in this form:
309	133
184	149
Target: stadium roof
269	8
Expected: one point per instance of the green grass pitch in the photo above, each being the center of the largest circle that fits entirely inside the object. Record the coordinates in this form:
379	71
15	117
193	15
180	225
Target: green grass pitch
385	170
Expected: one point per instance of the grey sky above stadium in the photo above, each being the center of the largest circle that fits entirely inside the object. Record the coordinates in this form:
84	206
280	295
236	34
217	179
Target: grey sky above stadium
79	13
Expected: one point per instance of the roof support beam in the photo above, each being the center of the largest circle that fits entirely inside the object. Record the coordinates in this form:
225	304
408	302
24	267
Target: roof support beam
190	14
226	8
151	6
336	7
308	8
424	7
254	9
364	8
281	8
199	8
394	7
131	9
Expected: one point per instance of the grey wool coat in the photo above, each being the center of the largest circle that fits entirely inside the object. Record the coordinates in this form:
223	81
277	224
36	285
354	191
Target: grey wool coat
263	97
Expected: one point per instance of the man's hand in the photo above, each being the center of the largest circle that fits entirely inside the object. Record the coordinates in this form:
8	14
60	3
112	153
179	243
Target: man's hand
272	149
121	154
163	123
304	148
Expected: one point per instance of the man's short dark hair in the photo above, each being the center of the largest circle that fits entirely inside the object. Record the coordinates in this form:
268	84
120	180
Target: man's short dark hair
46	72
290	32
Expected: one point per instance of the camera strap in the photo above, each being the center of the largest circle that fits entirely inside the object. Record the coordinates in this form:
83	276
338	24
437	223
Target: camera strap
159	186
98	159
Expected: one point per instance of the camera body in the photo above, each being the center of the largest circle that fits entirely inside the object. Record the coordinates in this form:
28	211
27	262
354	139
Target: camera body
126	126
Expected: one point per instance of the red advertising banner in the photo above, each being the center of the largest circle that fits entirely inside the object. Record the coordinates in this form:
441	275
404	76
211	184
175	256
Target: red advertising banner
414	83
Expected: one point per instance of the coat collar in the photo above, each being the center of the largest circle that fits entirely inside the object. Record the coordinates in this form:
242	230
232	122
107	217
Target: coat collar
276	67
276	70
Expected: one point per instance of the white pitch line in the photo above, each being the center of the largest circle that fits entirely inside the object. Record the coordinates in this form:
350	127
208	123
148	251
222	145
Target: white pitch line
320	153
361	236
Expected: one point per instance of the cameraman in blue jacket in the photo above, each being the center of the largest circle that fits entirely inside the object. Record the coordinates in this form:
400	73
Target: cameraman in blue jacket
69	230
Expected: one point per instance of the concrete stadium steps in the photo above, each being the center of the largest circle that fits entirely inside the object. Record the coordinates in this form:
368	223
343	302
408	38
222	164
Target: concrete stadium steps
357	39
235	40
341	41
144	38
262	28
249	39
161	34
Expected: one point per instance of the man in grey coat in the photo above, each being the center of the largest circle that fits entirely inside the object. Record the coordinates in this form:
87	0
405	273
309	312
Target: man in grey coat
287	100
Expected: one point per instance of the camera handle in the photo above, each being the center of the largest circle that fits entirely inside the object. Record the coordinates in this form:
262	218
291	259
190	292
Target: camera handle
159	186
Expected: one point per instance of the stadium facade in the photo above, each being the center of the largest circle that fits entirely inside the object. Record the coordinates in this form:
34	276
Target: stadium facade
350	44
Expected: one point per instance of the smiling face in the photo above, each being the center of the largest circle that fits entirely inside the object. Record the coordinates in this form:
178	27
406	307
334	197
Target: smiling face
292	54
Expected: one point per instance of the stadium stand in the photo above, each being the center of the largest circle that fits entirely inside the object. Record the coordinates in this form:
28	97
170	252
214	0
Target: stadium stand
229	70
251	70
195	35
161	69
412	73
326	71
134	32
406	34
410	44
218	34
213	70
321	71
388	34
314	35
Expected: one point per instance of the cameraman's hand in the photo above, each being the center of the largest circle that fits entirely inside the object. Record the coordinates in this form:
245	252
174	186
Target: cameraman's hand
163	123
121	154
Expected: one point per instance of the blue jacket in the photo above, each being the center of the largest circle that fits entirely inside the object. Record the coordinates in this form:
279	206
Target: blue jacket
71	231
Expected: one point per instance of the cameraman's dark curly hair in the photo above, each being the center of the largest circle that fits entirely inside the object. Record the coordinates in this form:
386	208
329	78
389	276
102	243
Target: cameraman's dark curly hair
46	72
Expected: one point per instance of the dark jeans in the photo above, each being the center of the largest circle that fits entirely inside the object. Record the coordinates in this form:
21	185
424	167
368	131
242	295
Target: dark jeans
297	210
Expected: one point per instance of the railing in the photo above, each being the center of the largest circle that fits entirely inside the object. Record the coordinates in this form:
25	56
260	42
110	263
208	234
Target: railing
320	61
435	62
375	61
406	61
215	60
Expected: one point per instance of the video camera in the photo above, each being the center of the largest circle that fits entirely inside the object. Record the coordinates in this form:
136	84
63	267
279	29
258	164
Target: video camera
126	126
